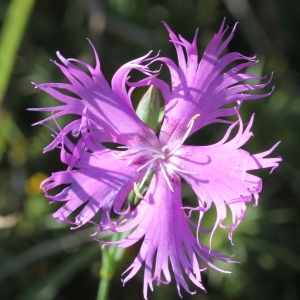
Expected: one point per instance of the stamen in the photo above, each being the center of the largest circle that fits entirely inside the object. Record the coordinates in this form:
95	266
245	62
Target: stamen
146	175
138	148
136	190
172	167
191	122
166	176
116	155
152	156
146	164
139	154
189	126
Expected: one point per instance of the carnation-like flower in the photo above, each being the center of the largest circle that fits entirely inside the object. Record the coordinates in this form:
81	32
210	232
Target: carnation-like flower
98	179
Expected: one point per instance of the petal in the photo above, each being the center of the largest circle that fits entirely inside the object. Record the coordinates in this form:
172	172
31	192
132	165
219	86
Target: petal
106	110
204	87
161	221
100	181
221	174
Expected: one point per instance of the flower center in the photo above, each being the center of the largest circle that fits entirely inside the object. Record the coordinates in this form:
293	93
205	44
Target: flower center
151	157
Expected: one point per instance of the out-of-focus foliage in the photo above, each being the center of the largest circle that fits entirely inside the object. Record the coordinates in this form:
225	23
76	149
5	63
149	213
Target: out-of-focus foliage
40	259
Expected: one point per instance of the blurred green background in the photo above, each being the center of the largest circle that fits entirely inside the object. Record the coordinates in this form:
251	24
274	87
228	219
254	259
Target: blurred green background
40	259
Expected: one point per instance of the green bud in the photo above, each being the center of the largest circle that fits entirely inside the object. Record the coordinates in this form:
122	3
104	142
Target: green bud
148	109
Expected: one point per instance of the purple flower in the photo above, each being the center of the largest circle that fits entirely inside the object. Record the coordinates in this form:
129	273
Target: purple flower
99	178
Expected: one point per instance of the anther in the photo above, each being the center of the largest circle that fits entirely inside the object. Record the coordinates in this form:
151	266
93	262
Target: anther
136	190
192	120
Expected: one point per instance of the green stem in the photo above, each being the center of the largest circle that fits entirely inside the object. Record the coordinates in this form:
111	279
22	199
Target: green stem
110	257
12	32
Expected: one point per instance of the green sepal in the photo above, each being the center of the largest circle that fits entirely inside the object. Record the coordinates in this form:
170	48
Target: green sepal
148	109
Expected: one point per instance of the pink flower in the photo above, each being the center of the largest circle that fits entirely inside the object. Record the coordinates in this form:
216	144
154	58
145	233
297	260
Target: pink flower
99	178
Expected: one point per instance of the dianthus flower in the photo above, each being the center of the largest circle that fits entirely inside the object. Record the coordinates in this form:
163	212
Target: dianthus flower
100	178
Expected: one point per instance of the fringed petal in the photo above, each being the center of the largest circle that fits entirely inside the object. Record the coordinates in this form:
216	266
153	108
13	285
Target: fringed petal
220	174
205	87
168	239
96	103
100	181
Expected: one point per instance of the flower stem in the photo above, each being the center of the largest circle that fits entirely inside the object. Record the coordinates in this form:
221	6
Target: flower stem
110	257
